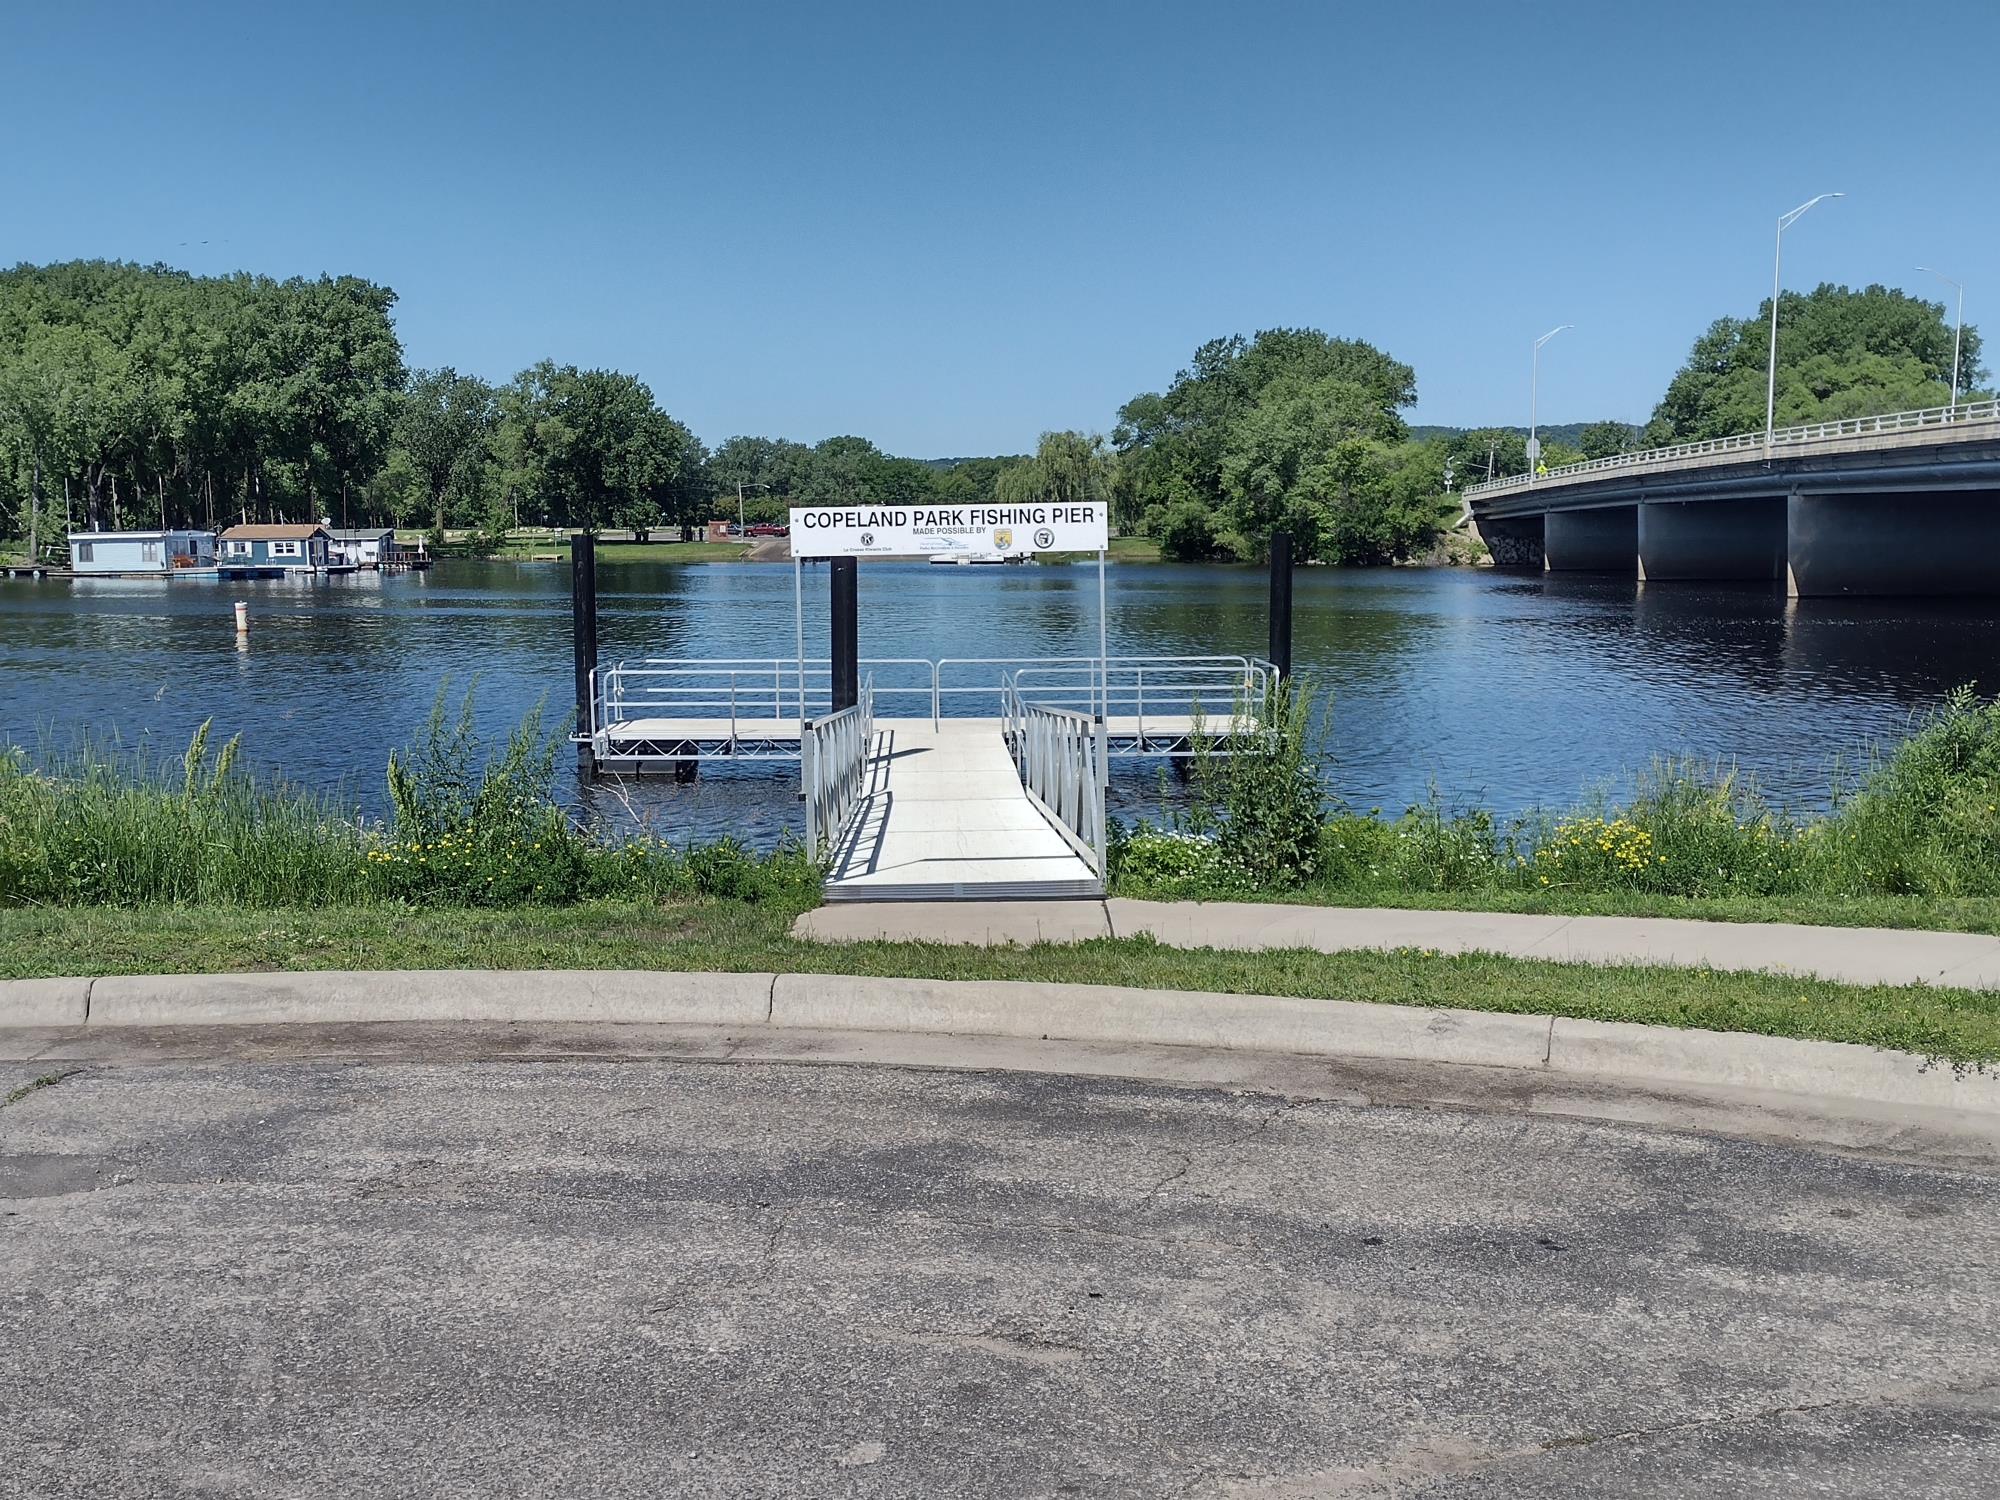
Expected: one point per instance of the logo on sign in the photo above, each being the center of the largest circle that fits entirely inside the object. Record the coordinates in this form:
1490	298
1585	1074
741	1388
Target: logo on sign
1003	537
1044	538
867	538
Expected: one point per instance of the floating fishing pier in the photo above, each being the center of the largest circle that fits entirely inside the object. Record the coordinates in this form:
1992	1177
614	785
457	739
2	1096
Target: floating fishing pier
959	778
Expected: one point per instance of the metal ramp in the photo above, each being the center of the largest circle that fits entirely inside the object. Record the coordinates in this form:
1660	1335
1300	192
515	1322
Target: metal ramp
943	815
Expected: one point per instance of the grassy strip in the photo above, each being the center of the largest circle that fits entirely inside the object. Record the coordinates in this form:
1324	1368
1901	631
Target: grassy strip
1130	549
1959	1026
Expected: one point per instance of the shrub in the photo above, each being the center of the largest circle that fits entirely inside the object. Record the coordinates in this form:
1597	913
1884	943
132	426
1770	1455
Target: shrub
1926	820
1265	797
1434	849
1165	862
1187	533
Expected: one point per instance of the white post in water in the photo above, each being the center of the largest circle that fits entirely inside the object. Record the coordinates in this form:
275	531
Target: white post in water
242	618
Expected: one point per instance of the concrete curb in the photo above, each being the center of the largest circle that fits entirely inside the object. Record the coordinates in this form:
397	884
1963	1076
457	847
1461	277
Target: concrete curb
431	995
1174	1018
1007	1008
44	1002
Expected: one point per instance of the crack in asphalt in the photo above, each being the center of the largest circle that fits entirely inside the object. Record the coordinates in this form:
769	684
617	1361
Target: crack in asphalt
1271	1117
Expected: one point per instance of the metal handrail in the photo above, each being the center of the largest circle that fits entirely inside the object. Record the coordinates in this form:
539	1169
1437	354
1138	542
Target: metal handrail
1966	413
732	688
736	688
1121	685
1064	762
833	769
1160	687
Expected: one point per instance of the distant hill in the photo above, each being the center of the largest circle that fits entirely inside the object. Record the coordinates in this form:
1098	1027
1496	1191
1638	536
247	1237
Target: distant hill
1554	432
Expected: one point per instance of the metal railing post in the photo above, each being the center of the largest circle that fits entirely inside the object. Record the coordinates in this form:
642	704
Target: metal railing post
809	784
1100	838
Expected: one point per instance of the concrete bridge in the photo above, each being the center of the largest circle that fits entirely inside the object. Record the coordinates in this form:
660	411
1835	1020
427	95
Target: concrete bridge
1907	503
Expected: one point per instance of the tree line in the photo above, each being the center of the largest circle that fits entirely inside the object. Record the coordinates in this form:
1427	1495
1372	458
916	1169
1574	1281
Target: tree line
134	397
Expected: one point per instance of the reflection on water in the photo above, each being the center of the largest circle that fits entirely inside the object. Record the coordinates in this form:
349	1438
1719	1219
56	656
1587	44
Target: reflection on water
1492	688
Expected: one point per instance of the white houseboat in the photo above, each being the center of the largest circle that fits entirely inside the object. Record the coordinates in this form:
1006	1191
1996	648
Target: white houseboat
107	554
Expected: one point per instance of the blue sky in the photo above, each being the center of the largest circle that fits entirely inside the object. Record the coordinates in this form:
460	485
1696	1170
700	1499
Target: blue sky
950	227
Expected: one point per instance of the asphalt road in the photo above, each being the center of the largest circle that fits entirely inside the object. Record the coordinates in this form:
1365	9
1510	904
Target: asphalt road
649	1277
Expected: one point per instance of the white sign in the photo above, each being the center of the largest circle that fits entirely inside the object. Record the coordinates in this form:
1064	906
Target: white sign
927	530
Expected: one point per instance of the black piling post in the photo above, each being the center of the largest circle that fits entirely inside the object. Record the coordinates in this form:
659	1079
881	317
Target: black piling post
583	634
1281	602
846	635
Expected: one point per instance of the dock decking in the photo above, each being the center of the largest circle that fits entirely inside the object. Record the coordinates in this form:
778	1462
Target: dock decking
654	744
943	816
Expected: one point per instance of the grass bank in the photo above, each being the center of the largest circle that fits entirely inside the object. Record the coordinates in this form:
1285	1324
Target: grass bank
1959	1026
611	554
1912	839
1124	549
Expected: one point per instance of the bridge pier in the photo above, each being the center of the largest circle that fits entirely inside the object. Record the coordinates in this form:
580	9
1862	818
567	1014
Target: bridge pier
1514	541
1943	543
1605	540
1711	539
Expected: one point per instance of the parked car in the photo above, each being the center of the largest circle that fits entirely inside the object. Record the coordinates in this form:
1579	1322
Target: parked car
767	528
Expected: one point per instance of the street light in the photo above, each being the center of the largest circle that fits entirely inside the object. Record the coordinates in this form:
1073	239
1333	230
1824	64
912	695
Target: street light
1777	261
1957	333
1534	399
739	503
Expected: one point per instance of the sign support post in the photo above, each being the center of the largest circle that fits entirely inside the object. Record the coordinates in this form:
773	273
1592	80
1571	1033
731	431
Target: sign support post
583	637
1281	602
846	635
1103	658
799	620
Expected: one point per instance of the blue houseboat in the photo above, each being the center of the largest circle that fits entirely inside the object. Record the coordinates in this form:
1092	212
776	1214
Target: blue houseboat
274	551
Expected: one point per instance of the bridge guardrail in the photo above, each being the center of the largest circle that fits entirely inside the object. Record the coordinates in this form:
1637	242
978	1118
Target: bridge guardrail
1966	413
1064	761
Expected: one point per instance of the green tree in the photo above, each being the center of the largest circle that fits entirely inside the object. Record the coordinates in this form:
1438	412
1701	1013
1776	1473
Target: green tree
1841	353
591	445
1605	439
444	432
1291	428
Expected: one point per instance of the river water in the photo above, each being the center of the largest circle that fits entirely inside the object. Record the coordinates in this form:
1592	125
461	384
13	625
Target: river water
1495	689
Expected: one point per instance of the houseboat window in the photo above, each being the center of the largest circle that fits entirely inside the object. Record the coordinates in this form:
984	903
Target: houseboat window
83	551
284	549
149	552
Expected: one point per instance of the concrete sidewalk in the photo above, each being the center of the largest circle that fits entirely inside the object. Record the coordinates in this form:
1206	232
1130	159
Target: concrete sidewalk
1850	955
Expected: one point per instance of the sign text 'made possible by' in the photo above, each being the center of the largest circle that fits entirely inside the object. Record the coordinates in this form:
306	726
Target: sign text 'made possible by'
919	530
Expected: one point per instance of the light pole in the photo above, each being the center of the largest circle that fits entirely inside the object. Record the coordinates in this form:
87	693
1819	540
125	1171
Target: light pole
1534	398
739	502
1777	262
1958	332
